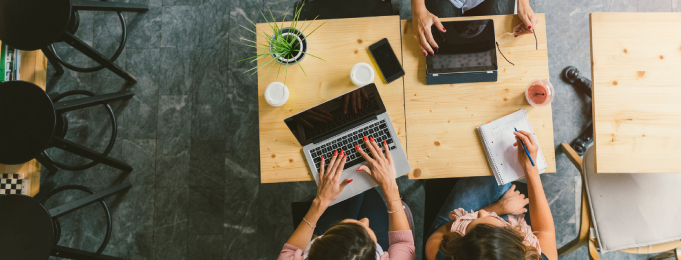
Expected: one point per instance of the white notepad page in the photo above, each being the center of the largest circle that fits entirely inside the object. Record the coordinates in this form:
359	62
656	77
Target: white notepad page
498	138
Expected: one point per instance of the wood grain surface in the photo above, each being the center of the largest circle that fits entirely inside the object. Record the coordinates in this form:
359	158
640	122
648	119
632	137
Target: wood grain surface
636	92
441	119
342	43
32	69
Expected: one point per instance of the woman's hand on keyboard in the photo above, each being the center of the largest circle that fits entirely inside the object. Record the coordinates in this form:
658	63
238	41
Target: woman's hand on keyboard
330	184
382	169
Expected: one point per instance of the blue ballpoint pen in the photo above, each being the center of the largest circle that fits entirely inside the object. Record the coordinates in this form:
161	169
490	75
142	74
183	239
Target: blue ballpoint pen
524	147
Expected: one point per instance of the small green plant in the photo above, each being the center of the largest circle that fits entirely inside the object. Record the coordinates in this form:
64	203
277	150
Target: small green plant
279	46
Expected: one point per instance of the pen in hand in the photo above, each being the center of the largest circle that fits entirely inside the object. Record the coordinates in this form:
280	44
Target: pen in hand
526	151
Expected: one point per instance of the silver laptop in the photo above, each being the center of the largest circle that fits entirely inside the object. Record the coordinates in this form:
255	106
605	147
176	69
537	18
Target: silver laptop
342	123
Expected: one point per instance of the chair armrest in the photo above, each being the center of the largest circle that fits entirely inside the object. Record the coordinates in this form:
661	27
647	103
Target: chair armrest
572	155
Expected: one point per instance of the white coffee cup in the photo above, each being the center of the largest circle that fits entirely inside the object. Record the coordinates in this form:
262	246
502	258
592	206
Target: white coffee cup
362	74
276	94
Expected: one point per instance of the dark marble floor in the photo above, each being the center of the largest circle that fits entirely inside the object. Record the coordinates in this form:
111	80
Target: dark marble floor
191	132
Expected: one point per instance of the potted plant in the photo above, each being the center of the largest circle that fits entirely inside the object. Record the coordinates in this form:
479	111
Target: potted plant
286	45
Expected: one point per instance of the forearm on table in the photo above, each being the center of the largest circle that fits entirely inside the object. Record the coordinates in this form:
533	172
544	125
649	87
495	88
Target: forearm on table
398	220
303	233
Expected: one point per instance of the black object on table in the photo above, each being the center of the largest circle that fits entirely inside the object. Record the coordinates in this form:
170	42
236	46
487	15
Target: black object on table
572	76
333	9
33	122
37	24
30	231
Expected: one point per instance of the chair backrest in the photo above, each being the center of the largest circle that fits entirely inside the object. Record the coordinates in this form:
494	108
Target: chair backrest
632	210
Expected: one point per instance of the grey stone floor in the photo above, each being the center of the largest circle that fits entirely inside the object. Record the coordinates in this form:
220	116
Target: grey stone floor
191	132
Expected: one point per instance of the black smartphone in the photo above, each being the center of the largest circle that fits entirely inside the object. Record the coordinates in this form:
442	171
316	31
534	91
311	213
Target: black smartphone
387	61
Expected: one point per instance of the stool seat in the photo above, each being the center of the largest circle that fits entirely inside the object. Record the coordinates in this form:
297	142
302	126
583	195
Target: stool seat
28	121
27	230
33	24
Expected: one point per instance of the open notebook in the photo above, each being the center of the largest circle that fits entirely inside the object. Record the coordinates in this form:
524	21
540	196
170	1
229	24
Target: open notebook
498	138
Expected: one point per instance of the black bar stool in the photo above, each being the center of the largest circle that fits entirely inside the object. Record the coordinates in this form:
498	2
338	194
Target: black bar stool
33	122
37	24
572	76
30	231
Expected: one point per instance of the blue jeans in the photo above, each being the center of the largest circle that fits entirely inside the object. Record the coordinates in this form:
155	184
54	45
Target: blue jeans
472	193
369	205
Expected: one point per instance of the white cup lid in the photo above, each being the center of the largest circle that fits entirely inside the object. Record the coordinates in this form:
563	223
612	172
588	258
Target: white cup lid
276	94
362	74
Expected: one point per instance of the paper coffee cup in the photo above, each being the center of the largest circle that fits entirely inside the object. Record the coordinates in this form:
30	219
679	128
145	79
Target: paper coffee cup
276	94
362	74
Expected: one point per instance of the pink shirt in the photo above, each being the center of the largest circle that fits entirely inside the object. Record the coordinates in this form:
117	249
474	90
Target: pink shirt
401	248
462	219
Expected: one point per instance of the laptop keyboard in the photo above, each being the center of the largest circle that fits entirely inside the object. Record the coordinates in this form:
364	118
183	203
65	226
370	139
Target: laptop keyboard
379	131
340	119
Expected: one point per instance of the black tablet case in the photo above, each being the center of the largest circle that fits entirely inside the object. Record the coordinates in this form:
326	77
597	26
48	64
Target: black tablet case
468	39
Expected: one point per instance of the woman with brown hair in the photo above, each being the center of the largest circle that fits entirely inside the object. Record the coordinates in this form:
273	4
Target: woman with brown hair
495	227
348	233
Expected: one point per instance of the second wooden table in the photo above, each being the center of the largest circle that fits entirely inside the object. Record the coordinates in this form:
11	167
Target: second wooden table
442	119
635	61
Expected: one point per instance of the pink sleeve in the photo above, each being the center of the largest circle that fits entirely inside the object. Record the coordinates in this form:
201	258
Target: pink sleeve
457	213
401	246
290	252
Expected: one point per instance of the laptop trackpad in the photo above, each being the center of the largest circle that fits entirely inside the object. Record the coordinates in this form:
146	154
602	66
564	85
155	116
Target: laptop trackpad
361	182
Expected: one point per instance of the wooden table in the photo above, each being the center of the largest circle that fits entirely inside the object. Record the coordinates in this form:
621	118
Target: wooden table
442	119
342	43
635	61
33	69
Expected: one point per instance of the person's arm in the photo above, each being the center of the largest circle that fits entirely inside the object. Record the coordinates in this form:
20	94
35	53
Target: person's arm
328	189
382	171
511	203
542	220
422	20
433	243
526	14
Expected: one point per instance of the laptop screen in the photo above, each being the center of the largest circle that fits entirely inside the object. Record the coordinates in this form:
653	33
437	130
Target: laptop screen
335	115
467	46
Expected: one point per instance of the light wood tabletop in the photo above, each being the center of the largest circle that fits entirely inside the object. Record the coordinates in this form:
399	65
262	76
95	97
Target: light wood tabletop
441	119
342	43
635	61
33	69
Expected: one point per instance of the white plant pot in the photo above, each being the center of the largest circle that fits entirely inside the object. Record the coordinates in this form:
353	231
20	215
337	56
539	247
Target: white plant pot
302	47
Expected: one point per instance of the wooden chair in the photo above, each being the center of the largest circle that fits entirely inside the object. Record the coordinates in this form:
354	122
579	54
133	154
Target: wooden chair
586	237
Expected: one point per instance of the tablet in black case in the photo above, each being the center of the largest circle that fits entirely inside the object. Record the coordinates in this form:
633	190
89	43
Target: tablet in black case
467	53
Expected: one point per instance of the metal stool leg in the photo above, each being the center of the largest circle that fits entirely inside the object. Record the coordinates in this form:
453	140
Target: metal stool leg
92	198
70	105
582	142
107	6
72	253
51	168
53	60
98	57
72	147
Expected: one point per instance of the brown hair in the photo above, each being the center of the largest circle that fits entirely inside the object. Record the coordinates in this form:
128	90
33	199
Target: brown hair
345	241
488	242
